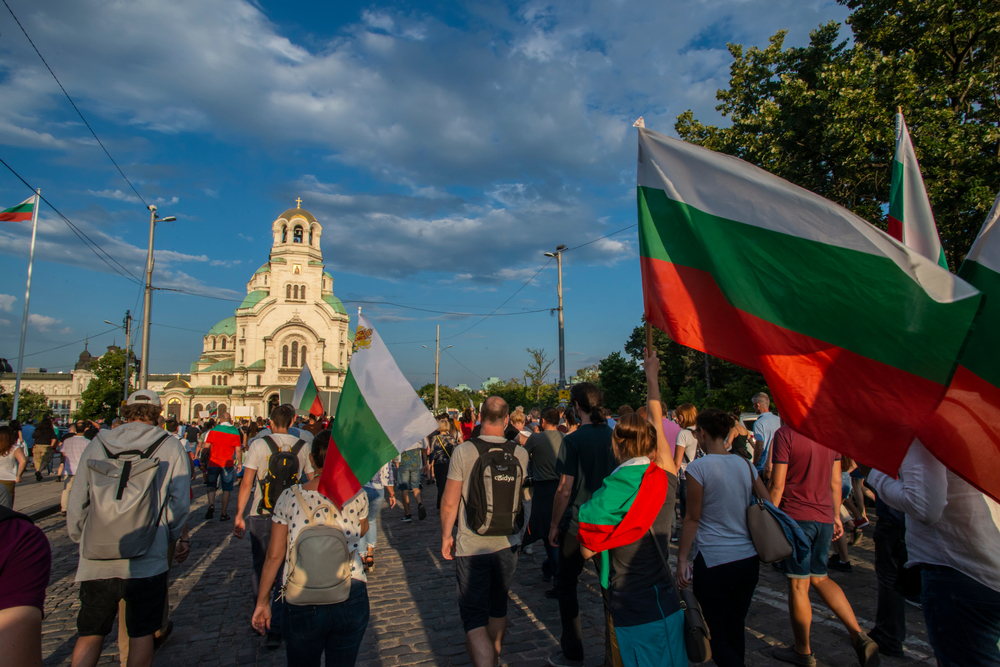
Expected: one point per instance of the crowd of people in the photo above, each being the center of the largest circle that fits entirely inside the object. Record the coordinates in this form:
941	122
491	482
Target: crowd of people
588	484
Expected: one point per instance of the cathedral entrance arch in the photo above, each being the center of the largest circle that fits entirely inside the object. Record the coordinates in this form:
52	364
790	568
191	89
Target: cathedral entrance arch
272	402
174	408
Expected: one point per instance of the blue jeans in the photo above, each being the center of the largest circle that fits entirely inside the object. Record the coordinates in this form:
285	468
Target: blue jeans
375	498
336	629
259	528
962	618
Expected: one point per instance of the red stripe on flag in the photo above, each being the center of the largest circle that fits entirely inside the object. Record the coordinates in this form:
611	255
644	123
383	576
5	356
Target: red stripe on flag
896	229
338	482
649	499
317	406
19	216
815	384
964	432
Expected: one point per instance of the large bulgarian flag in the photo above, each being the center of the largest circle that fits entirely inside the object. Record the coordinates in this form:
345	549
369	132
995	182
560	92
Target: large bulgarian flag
20	213
964	432
911	220
378	416
856	335
623	509
306	396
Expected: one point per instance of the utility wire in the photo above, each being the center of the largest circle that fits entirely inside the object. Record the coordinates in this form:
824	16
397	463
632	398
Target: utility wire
602	237
504	303
80	234
78	112
59	347
463	365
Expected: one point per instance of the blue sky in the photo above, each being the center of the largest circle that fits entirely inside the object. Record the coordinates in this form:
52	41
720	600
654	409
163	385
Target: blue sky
444	146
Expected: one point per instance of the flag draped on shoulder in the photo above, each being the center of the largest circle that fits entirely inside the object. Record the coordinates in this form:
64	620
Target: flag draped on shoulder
911	220
20	213
964	432
378	416
856	335
623	509
306	396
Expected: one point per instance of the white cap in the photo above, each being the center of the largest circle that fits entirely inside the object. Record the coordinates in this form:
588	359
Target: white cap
144	397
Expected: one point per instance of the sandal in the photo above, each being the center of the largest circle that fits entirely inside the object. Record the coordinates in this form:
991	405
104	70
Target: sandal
224	517
369	561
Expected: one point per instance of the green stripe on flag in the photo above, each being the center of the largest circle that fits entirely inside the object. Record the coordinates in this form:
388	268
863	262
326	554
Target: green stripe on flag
896	208
20	208
773	276
360	438
980	355
616	497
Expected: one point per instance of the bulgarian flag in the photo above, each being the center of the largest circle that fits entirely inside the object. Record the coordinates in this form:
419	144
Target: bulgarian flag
911	220
623	509
964	432
306	396
856	335
20	213
378	416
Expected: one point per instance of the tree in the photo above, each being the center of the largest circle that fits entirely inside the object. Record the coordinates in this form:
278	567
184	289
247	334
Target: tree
591	374
31	405
537	371
622	381
821	116
447	397
104	395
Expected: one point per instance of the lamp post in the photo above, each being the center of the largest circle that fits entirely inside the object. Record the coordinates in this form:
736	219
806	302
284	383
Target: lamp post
437	363
148	303
128	352
562	338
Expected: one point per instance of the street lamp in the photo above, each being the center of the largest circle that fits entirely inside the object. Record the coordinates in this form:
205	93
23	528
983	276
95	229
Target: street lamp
562	340
148	303
437	363
127	329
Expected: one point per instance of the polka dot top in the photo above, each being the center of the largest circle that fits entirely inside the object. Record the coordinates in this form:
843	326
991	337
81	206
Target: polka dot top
289	513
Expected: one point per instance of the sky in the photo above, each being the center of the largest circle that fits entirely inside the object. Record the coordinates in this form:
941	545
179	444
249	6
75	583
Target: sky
443	146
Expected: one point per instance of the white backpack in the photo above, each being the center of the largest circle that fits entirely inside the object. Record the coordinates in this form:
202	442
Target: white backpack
319	561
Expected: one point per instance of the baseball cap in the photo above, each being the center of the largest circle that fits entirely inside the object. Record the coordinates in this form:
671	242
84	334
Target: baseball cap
144	397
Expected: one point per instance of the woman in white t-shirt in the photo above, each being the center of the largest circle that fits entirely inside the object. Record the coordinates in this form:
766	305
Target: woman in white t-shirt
726	566
686	449
12	460
309	631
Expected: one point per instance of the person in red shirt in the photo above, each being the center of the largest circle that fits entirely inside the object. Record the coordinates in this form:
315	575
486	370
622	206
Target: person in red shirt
805	484
226	453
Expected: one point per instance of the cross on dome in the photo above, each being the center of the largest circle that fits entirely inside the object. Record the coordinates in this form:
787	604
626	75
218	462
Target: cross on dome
298	202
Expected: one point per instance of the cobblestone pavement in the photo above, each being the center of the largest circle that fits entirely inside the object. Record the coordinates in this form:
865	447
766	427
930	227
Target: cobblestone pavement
414	617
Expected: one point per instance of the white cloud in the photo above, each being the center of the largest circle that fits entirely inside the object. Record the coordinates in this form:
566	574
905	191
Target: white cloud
7	302
42	322
117	195
4	323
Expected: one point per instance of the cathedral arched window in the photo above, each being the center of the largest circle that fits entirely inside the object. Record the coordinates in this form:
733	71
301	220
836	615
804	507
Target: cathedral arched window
295	292
284	356
213	343
302	292
288	291
223	343
284	234
303	356
213	380
328	382
258	380
310	236
295	353
225	380
241	356
297	234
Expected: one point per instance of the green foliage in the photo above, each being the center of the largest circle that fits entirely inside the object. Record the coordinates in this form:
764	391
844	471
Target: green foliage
822	116
31	405
447	397
591	374
537	372
103	396
622	382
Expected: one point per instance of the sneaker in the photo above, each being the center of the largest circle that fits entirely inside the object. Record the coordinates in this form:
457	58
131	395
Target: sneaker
864	523
560	660
788	654
273	641
421	512
529	550
867	651
210	513
224	517
406	519
38	476
552	594
835	564
160	639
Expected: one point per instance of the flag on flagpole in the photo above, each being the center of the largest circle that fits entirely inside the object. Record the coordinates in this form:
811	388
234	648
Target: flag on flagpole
379	415
964	432
306	396
911	220
841	320
20	213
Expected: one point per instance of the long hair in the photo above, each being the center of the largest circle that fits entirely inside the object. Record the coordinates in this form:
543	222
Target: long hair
591	400
634	436
7	440
467	416
686	414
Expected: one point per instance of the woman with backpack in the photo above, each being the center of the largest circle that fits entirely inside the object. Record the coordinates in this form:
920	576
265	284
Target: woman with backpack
443	442
326	607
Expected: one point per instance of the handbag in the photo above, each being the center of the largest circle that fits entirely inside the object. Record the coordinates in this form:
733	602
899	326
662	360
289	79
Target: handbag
768	537
697	638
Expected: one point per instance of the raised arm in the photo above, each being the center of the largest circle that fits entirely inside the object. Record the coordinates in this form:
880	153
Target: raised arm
654	410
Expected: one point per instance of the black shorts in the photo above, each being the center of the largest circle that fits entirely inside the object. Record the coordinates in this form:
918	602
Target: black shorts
483	582
144	602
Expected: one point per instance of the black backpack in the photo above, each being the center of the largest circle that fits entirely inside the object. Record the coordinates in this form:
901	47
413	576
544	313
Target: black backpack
494	503
282	473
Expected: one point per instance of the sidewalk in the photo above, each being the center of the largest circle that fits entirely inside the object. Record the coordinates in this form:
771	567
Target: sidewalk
38	499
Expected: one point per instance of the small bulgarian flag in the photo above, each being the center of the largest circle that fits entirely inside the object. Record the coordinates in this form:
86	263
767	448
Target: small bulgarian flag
623	509
306	395
378	416
20	213
911	220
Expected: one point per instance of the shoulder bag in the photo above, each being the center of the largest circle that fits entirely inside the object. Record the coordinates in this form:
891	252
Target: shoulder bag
768	537
697	638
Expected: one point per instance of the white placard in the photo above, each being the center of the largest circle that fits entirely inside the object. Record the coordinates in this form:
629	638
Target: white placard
204	414
243	411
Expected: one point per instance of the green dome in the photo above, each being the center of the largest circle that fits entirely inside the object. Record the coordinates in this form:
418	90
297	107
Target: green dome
224	366
328	275
264	269
256	366
251	300
226	327
334	303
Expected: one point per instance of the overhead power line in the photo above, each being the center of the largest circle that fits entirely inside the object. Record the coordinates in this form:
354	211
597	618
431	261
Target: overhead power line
504	303
623	229
77	109
59	347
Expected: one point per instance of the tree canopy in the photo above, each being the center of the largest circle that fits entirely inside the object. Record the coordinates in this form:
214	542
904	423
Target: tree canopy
31	405
103	396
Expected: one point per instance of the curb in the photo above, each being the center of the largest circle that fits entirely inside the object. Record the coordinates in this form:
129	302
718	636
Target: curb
44	512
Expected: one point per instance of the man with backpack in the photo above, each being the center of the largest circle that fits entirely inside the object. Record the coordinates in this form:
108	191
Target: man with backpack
129	503
483	494
274	462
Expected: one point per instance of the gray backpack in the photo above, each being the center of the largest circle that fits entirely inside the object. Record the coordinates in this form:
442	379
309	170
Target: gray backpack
319	561
124	504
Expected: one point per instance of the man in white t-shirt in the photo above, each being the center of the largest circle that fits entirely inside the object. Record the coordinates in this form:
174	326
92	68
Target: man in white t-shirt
255	470
763	432
72	449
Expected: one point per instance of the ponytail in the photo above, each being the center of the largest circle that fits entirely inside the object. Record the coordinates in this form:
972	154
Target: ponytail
590	400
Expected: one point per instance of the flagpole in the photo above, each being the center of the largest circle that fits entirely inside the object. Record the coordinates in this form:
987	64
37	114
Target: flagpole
27	296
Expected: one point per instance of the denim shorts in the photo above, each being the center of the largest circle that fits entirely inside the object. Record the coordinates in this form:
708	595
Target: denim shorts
813	561
408	477
144	602
227	475
483	582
